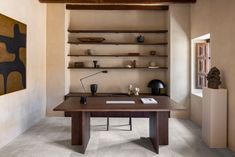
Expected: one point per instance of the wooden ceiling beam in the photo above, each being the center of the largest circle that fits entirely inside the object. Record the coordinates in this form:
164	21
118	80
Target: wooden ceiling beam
115	7
119	1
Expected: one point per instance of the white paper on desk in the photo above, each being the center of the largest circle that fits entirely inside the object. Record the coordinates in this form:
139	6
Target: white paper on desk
120	102
149	101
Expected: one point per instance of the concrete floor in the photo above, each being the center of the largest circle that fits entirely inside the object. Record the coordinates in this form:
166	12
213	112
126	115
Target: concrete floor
51	138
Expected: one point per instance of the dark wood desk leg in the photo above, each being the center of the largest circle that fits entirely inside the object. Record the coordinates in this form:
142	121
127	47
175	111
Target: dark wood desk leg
154	130
158	129
164	128
80	129
130	121
107	121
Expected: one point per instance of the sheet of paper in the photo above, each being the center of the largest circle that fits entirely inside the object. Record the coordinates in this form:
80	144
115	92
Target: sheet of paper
149	101
120	102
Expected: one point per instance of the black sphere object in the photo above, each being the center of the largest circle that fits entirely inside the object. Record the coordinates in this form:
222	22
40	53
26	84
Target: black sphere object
156	86
93	88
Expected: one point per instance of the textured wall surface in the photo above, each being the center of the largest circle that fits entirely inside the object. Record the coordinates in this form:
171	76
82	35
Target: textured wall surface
55	57
217	18
177	20
118	80
180	55
22	109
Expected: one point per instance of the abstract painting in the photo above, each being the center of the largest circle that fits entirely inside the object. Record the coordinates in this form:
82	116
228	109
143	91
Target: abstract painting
12	55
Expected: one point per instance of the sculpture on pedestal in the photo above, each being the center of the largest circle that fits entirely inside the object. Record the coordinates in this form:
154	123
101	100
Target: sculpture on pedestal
213	78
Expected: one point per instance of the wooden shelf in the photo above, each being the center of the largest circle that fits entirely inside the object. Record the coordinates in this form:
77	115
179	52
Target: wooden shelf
115	43
77	55
79	94
114	6
160	68
117	31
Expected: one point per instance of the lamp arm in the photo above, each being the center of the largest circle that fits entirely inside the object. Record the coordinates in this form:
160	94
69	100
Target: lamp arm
83	85
87	77
90	75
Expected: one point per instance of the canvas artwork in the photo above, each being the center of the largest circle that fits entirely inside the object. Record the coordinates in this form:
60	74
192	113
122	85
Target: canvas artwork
12	55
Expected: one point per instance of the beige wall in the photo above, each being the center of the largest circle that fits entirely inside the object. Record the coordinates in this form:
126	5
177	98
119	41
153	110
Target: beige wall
196	109
21	110
177	20
179	55
217	18
55	57
118	80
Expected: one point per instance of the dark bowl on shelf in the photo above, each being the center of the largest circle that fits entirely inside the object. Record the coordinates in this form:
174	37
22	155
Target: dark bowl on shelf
91	39
134	54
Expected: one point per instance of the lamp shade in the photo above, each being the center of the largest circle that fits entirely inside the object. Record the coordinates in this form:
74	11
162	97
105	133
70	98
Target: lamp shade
156	85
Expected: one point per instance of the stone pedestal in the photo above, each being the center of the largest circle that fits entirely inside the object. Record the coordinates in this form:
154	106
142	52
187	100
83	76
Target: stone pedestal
214	117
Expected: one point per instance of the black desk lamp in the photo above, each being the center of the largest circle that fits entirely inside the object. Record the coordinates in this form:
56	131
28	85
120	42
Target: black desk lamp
83	98
156	86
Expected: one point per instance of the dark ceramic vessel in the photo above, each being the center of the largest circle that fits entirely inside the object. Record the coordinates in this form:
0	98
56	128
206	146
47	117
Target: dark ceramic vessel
93	88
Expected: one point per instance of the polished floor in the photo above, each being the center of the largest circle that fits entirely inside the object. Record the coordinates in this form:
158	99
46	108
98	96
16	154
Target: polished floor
51	138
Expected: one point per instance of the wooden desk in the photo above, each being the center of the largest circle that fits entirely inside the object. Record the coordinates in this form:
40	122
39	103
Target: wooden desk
80	113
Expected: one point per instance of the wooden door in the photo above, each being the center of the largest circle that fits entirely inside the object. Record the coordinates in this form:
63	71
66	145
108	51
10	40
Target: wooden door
203	64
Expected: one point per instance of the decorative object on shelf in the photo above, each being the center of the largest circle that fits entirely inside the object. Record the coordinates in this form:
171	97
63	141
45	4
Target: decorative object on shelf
136	91
93	88
95	63
91	39
152	64
156	86
130	88
153	53
213	78
155	67
140	39
83	99
128	66
134	54
133	63
78	64
89	52
12	55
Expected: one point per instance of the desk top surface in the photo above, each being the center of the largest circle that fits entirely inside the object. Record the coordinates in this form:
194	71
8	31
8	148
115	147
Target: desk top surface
98	104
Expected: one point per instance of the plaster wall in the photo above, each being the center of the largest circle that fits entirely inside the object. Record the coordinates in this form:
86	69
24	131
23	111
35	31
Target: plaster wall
22	109
217	18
